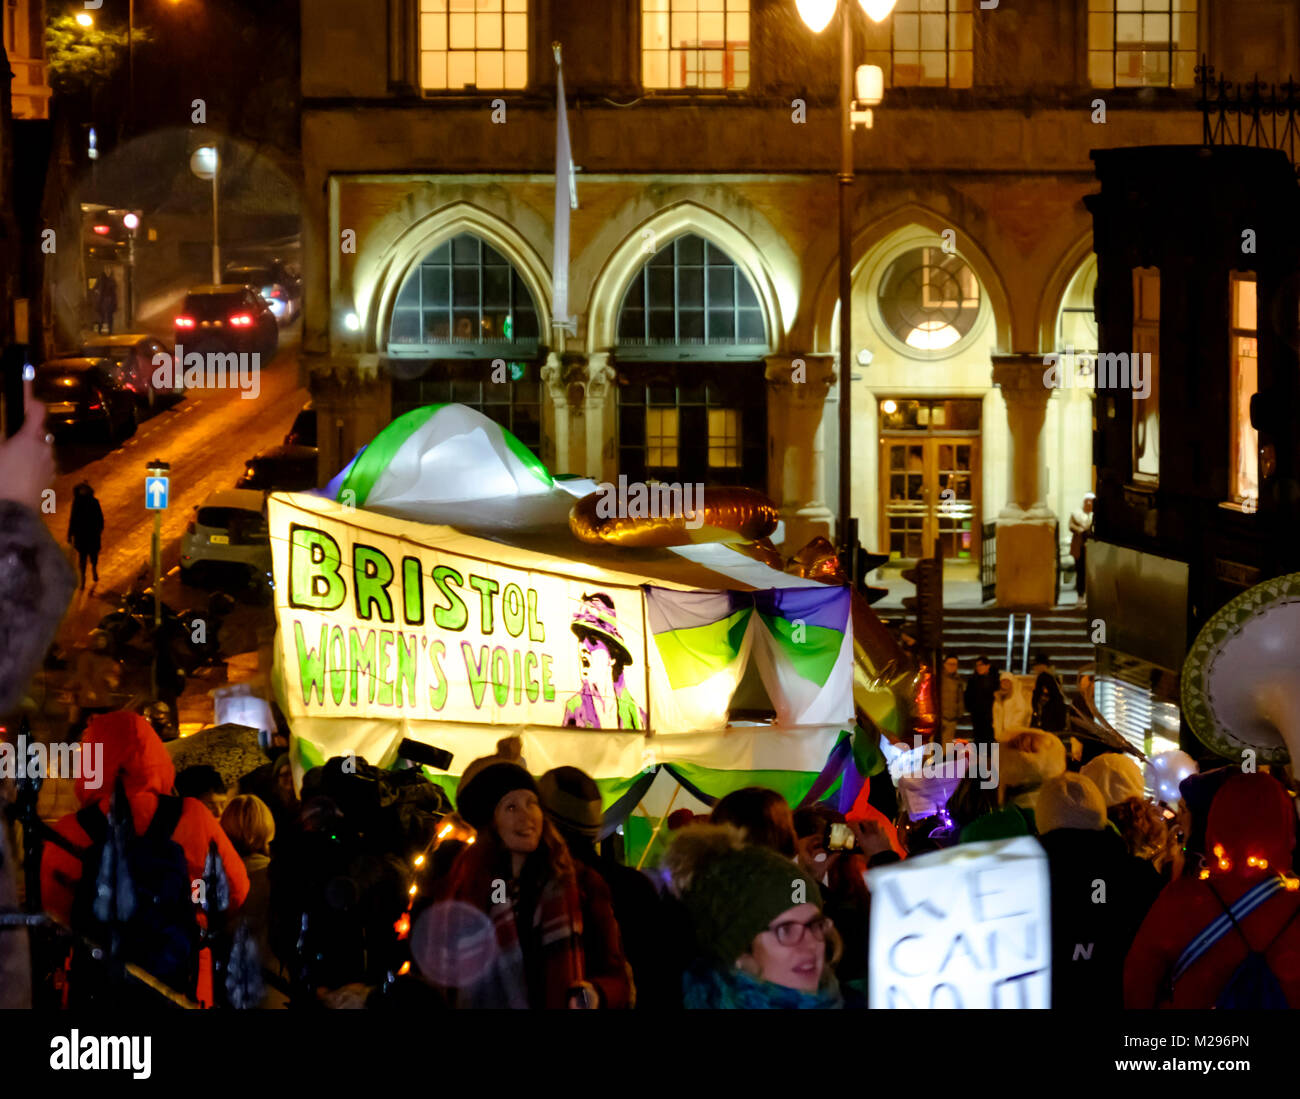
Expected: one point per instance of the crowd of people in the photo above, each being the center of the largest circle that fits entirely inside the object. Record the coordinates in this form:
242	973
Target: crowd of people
371	888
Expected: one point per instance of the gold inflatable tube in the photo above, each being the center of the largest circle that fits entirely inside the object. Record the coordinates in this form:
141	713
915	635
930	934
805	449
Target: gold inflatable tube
721	514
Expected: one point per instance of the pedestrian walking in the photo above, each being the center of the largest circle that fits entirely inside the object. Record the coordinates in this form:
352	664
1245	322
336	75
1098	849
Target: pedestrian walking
951	691
85	529
1080	532
981	689
106	301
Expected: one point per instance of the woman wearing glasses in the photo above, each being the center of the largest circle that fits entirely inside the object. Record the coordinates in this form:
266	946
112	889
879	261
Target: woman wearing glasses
761	940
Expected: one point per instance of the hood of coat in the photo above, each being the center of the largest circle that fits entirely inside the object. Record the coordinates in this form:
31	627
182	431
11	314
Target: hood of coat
131	746
1252	817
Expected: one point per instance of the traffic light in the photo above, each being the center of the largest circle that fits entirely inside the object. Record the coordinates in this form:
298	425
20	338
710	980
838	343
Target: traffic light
927	604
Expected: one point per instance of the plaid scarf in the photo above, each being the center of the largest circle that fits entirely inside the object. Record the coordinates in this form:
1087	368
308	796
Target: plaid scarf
554	934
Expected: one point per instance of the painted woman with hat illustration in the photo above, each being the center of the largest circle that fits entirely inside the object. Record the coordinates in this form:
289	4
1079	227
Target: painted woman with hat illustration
603	701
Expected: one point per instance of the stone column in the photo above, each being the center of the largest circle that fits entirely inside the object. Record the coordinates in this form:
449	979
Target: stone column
354	403
580	416
796	397
1026	576
601	415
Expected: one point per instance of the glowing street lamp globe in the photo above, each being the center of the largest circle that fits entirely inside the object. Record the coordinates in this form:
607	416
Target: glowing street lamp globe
877	10
816	13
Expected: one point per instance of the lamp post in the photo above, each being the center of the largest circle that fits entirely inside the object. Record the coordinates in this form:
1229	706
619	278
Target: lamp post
205	162
132	222
817	14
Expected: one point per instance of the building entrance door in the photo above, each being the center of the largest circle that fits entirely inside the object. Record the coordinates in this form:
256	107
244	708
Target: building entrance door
929	483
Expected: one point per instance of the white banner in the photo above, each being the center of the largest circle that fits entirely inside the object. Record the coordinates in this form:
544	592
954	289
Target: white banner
375	626
967	927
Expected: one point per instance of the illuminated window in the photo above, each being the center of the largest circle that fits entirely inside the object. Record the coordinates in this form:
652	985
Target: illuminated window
724	438
695	44
929	298
464	300
473	44
691	293
1076	326
1142	43
1244	442
925	42
1144	374
661	438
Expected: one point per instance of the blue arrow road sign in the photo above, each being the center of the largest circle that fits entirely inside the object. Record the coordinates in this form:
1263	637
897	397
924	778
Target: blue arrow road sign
155	493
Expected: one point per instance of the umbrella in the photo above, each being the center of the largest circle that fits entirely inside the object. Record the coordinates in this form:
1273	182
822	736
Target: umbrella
232	749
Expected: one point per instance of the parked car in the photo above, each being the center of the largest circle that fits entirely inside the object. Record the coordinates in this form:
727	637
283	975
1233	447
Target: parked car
280	469
132	355
82	400
281	288
227	318
229	528
303	432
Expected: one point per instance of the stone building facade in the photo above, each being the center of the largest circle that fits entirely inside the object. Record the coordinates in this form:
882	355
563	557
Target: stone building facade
704	249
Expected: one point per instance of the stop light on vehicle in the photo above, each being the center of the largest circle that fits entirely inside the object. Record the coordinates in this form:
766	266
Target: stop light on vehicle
926	606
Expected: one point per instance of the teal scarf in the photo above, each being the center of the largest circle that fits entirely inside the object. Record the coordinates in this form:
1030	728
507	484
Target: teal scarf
734	989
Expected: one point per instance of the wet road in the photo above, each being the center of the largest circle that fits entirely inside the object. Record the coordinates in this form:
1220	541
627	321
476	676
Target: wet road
207	437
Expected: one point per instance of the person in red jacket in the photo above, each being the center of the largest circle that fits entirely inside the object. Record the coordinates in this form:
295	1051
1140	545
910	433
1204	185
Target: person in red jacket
557	943
1250	835
131	746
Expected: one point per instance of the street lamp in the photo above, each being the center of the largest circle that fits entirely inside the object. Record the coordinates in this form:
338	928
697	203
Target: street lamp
817	14
131	220
85	19
205	162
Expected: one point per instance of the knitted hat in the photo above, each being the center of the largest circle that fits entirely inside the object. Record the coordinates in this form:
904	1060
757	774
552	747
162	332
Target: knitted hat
1069	801
487	780
1029	759
731	891
571	799
1116	775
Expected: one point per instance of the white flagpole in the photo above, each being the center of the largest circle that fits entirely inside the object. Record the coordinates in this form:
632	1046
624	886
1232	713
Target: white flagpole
564	202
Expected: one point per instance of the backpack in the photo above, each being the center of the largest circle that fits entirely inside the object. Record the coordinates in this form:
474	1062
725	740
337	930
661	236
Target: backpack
161	934
1253	984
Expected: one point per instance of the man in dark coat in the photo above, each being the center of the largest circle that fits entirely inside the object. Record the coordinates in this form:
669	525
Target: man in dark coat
571	799
85	528
980	689
1048	700
1100	894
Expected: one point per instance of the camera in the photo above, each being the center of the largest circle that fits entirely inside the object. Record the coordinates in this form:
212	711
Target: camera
840	838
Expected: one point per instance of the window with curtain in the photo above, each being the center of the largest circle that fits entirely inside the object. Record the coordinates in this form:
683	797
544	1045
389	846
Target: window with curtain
926	43
1142	43
480	44
1144	374
695	44
1244	367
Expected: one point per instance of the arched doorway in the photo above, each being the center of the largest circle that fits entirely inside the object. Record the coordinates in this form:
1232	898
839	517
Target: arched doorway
464	327
690	347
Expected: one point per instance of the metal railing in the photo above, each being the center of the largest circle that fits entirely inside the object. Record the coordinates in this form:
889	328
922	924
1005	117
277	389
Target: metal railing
1266	116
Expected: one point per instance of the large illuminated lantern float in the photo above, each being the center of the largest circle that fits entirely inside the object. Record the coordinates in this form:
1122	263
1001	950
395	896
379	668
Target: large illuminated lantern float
445	588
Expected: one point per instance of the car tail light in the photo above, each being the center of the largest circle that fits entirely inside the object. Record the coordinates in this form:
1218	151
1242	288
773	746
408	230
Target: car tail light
277	293
94	407
184	322
241	320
